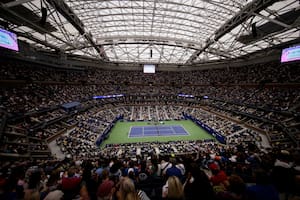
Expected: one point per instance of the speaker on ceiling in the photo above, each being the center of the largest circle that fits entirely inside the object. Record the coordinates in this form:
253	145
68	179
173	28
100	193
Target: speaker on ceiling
254	31
44	16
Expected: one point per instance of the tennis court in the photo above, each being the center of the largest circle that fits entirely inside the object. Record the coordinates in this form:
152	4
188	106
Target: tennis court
157	130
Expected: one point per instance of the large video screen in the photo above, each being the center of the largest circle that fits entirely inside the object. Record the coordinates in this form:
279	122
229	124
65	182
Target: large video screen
149	69
290	54
8	40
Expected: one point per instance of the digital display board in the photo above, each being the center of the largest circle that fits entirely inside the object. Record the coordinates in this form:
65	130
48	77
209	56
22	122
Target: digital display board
108	96
290	54
8	40
186	95
150	69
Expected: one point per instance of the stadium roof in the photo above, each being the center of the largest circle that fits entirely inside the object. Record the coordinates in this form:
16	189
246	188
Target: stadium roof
154	31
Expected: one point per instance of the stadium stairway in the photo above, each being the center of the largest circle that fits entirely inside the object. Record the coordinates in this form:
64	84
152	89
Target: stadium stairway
55	150
264	141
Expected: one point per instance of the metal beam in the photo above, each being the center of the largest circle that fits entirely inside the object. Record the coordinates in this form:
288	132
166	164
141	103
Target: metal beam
162	39
143	40
32	38
254	7
15	3
69	14
220	53
273	20
133	42
36	27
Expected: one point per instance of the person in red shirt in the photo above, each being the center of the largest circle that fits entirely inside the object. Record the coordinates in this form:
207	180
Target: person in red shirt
104	191
71	184
218	177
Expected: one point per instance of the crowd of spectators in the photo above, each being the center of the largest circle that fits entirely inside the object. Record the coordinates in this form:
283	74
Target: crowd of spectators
81	139
234	132
266	72
44	87
263	96
275	125
35	89
209	170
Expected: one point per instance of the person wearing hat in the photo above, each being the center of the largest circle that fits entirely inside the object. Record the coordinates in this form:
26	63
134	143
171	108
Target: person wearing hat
219	178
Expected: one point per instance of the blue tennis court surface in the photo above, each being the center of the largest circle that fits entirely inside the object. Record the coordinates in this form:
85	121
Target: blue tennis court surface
158	130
